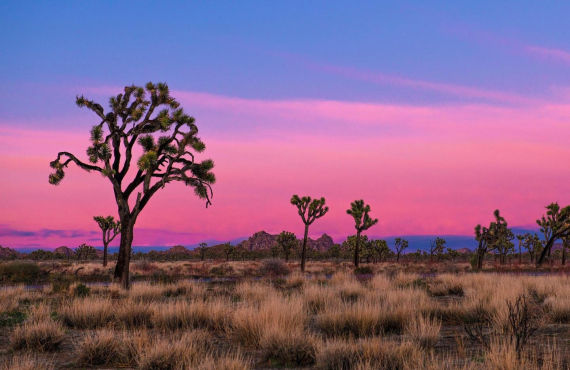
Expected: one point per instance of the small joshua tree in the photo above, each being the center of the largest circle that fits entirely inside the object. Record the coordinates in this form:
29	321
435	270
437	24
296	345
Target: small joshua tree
309	210
520	239
379	249
489	237
229	250
452	253
202	247
533	245
400	244
168	140
110	229
362	221
287	241
555	225
436	247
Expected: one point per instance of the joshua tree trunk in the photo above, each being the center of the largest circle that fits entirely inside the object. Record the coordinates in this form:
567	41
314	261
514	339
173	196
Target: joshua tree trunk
520	255
357	249
122	268
480	257
398	256
304	249
563	254
105	246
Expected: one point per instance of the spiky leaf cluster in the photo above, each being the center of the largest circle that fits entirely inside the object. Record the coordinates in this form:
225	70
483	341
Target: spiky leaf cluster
360	212
309	209
150	117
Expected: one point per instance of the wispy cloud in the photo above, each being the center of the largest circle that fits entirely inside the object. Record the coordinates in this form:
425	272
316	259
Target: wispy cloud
379	78
549	53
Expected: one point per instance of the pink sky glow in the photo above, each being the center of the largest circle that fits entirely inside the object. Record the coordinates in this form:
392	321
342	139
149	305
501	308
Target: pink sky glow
424	170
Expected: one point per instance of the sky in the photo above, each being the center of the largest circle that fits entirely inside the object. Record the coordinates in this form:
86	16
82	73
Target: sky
434	113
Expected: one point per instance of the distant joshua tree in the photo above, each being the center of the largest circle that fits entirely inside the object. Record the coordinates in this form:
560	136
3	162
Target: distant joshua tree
168	138
555	225
229	250
287	241
533	244
436	247
400	244
362	221
110	229
495	237
452	253
379	249
309	210
202	248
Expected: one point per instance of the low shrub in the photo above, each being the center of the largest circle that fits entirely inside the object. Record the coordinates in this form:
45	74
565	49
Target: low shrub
363	270
81	290
43	336
274	267
107	348
20	272
288	349
27	362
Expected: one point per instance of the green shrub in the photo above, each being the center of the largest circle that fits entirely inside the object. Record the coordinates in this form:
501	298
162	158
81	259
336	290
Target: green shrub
60	282
81	290
20	272
363	270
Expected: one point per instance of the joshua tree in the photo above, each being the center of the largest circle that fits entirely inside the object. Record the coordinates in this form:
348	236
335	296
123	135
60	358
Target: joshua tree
287	241
452	253
85	252
229	250
202	247
489	237
555	225
309	210
110	229
533	245
503	244
362	221
168	138
400	244
436	247
379	249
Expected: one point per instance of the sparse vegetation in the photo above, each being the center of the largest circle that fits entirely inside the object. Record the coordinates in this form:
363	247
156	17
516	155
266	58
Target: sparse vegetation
392	319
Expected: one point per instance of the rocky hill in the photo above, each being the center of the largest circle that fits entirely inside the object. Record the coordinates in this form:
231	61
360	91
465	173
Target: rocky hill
262	240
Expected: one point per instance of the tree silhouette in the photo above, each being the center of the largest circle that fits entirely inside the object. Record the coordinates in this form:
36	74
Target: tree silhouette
502	239
309	210
229	250
487	237
110	229
362	221
168	139
533	244
202	248
554	225
379	249
287	241
436	247
400	244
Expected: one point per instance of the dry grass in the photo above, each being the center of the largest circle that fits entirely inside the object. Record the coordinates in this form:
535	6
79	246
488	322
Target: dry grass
88	313
392	320
27	362
45	336
423	331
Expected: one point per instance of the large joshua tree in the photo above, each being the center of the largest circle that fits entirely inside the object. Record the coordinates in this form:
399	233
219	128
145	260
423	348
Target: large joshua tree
554	225
110	229
309	210
362	221
168	139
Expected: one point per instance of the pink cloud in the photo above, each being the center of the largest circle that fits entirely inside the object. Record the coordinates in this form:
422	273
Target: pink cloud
439	170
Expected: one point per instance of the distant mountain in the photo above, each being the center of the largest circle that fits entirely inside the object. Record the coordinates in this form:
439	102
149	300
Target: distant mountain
262	240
